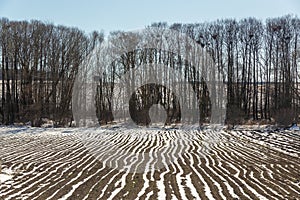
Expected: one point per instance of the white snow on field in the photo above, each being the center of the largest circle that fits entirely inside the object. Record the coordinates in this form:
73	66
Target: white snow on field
5	175
199	162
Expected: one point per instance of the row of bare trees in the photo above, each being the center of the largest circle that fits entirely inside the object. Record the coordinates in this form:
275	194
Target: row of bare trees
258	62
261	66
39	63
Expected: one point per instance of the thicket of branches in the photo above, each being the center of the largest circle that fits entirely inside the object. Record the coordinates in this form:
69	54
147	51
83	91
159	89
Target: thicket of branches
39	63
258	62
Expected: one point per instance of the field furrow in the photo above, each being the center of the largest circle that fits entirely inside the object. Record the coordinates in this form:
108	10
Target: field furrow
149	164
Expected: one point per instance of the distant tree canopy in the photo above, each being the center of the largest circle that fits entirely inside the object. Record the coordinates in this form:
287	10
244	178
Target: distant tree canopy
258	61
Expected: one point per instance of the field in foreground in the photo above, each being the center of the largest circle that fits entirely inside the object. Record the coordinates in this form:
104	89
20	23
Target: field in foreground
121	163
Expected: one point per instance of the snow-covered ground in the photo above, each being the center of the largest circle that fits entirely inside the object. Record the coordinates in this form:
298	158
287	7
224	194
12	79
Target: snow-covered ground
154	163
5	175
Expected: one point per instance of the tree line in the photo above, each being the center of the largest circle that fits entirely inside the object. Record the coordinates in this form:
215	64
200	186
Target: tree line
258	62
39	62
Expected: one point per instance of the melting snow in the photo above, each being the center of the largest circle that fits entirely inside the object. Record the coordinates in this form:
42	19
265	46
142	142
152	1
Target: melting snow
5	175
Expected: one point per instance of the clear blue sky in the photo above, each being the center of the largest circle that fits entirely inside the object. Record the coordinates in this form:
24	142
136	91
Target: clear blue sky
109	15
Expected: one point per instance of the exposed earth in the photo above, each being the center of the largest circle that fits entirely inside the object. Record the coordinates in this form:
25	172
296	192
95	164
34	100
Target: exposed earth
47	163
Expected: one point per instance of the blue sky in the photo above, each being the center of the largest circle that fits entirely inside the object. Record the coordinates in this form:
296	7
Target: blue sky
109	15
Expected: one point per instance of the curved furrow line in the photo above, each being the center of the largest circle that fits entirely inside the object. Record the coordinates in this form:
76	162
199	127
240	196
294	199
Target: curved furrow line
217	188
254	175
250	165
257	179
278	143
88	183
71	175
262	178
226	175
260	187
148	168
287	140
202	164
236	178
138	156
173	156
104	183
180	175
275	157
110	182
118	152
277	180
235	168
78	180
224	188
44	187
269	182
131	166
65	172
149	143
20	188
39	172
189	186
284	170
24	153
253	188
102	173
16	152
159	150
20	166
169	179
161	182
36	187
293	188
196	169
267	187
254	150
109	173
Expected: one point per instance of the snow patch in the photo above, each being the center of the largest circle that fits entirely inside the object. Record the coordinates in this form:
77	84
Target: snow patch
5	175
